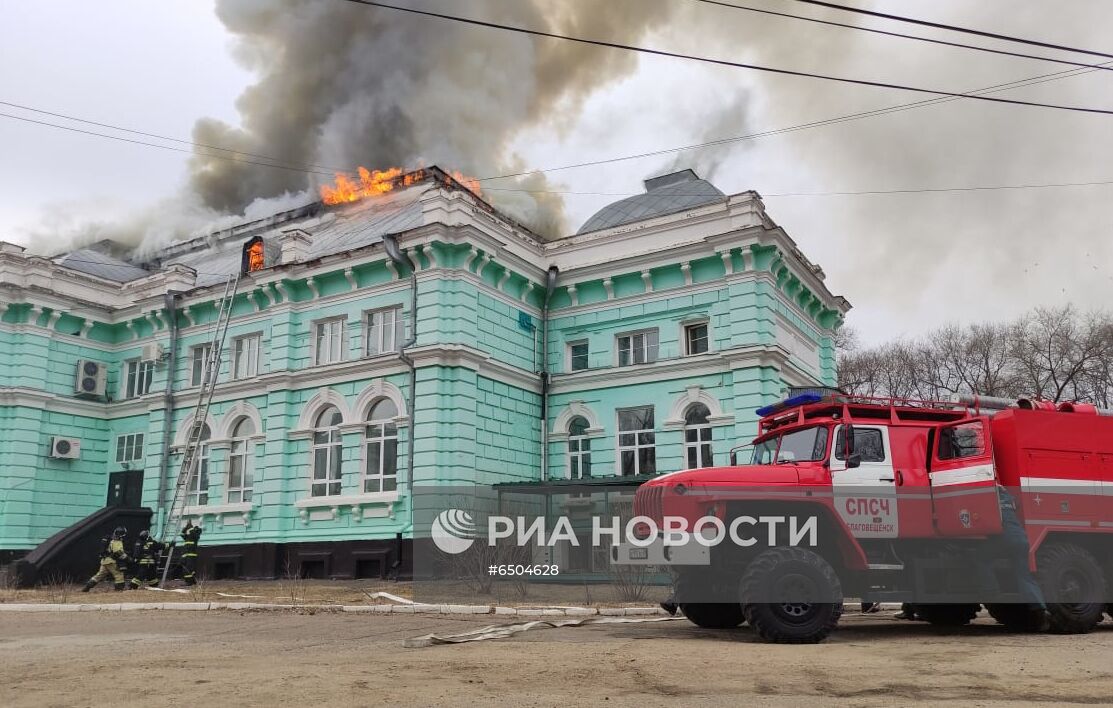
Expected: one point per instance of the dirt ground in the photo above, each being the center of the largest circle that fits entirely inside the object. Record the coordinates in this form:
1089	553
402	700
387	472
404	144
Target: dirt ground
281	658
298	591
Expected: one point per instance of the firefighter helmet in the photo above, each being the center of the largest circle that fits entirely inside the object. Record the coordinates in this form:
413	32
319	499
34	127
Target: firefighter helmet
120	532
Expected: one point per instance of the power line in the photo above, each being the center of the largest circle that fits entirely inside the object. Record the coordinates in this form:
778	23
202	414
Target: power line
1043	78
900	35
922	190
1020	83
164	137
955	28
724	62
156	145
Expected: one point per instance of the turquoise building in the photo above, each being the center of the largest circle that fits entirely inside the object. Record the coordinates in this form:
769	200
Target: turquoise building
417	337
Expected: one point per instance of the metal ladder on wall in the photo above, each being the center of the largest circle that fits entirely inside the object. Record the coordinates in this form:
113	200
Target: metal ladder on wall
209	373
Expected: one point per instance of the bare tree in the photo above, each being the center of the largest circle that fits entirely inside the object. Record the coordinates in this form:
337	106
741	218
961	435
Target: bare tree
1049	353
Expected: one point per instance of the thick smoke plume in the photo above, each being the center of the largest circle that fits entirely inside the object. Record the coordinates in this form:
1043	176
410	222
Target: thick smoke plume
341	85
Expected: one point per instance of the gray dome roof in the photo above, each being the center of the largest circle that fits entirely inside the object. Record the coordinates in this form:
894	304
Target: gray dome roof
666	194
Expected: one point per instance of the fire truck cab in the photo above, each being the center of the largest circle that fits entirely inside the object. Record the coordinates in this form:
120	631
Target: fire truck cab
905	500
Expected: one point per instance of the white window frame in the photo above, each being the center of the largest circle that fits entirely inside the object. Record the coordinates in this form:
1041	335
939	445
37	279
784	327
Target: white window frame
241	451
138	375
251	369
685	342
131	445
571	357
338	339
579	450
378	340
375	431
637	445
198	363
333	446
198	492
645	348
701	444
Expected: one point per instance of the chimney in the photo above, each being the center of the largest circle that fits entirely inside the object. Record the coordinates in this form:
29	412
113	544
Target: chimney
295	245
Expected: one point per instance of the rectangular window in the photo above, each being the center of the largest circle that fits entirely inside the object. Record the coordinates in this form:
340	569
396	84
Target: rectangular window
327	451
239	472
697	446
198	494
129	448
245	357
867	444
637	348
384	330
577	356
200	364
957	441
695	338
637	453
328	339
138	377
579	457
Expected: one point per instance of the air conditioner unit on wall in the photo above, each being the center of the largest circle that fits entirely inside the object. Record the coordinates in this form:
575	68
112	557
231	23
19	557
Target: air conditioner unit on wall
91	378
152	352
65	448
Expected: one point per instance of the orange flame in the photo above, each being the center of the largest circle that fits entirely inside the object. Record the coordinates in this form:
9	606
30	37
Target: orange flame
373	183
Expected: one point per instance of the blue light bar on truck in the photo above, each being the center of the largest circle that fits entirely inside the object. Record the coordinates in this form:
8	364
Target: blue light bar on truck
802	400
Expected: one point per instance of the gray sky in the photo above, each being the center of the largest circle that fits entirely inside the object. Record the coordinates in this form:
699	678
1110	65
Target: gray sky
906	262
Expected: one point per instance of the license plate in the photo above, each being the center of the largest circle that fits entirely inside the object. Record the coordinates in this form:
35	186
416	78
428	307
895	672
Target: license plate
639	554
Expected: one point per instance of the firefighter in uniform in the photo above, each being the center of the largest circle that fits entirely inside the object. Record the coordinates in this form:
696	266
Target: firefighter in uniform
190	536
146	554
1013	544
113	559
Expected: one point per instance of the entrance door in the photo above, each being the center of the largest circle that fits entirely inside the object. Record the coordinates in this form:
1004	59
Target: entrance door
866	496
125	489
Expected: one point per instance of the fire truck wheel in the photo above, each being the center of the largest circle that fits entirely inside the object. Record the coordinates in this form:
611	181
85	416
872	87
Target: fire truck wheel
714	615
1070	576
780	590
947	615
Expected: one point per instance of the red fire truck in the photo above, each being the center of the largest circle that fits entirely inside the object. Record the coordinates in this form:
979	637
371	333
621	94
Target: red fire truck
906	499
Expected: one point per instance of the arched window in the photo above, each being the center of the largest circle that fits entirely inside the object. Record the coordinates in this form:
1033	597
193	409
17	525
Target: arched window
697	437
579	449
380	472
240	465
327	448
199	481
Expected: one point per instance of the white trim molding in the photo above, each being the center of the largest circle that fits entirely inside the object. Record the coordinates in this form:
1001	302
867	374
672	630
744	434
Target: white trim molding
241	409
374	392
355	502
244	510
692	395
313	407
572	410
186	424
